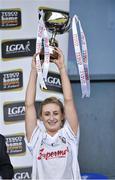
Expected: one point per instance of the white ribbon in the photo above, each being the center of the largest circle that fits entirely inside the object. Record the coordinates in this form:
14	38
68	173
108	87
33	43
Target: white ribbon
47	54
42	69
81	54
81	57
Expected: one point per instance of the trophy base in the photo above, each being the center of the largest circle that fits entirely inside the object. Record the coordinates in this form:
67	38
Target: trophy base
53	54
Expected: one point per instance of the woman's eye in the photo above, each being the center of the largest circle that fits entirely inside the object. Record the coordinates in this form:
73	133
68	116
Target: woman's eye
55	113
46	114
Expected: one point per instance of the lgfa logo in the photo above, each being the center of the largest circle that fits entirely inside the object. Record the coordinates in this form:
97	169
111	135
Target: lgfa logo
18	48
22	173
53	82
16	110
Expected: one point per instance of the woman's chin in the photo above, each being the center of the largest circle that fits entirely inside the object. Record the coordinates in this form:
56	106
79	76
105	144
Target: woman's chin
53	129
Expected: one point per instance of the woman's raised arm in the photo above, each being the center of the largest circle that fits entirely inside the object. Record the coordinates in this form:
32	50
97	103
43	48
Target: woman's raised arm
70	109
30	112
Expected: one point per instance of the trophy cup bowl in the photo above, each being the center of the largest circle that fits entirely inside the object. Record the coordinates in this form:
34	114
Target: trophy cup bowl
56	22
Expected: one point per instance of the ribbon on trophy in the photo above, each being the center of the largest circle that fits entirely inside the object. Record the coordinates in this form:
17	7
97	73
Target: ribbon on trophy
42	36
58	22
81	56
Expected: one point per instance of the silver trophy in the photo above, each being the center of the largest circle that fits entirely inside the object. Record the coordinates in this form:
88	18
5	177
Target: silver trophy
56	22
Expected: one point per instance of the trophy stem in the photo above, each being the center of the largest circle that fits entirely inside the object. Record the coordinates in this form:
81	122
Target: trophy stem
54	34
53	41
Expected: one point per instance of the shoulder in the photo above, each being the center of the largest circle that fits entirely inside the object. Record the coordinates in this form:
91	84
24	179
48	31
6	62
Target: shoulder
2	142
68	133
2	138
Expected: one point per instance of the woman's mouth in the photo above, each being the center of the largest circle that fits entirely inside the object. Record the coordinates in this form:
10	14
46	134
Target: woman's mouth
51	123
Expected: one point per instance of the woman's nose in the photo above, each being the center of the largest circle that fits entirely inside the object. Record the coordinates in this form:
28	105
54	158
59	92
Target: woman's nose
51	116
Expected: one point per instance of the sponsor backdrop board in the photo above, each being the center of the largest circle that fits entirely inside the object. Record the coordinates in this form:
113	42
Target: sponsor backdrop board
18	31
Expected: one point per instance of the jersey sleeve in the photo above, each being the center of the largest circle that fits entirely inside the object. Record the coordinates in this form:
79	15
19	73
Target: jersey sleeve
70	134
35	137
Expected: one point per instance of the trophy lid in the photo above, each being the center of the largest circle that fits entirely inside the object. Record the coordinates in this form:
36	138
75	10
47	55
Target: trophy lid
56	21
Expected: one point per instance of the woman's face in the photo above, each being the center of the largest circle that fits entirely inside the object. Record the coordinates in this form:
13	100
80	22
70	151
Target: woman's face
52	117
